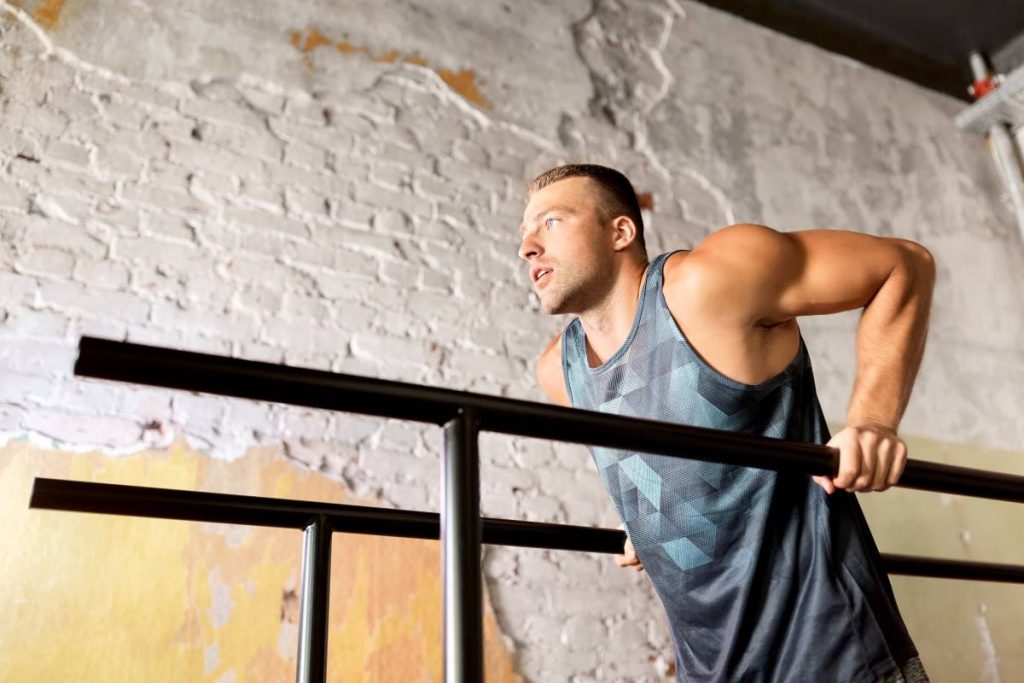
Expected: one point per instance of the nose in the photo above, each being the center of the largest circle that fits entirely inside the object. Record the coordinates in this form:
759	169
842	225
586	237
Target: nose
530	247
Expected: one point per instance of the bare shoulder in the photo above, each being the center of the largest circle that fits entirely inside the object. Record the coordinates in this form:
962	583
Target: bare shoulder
739	264
549	372
720	252
718	295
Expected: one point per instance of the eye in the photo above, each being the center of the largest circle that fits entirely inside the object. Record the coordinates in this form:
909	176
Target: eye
550	223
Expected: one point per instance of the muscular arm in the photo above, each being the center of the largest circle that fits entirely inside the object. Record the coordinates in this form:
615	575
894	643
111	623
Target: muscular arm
769	278
549	372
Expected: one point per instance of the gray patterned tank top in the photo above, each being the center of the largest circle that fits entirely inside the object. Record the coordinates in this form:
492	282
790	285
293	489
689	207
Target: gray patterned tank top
763	576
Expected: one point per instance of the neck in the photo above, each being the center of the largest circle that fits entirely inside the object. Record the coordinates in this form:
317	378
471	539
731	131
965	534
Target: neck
607	323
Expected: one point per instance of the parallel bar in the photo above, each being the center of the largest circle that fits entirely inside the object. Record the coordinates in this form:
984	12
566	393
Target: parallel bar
460	549
316	597
213	374
197	506
200	506
137	501
952	569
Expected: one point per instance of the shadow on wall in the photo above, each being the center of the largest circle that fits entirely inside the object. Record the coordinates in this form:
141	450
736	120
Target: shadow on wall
105	598
964	630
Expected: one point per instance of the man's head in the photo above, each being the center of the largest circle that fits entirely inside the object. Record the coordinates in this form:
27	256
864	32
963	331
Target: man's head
582	224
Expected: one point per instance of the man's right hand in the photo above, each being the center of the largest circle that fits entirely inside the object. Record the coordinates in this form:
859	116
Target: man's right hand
629	558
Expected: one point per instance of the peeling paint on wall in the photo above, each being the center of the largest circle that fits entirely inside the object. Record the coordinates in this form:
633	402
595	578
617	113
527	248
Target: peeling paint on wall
103	598
463	81
48	12
313	40
722	135
45	12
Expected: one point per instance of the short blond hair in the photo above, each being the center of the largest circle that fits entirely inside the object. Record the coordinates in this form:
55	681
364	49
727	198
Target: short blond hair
616	194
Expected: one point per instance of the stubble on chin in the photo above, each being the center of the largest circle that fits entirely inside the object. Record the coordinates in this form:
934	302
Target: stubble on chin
555	303
548	304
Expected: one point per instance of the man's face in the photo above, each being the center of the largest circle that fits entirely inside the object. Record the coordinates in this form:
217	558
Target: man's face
567	246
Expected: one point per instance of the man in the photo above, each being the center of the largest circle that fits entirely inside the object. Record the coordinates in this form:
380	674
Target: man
763	576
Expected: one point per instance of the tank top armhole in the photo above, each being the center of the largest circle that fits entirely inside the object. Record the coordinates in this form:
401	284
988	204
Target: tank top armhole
661	260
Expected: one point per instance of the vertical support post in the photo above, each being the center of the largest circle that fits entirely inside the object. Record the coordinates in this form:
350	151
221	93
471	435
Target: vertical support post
314	608
460	547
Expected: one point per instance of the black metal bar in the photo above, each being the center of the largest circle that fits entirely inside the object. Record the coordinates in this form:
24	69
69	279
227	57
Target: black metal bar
117	499
460	549
936	568
176	369
316	599
213	374
200	506
197	506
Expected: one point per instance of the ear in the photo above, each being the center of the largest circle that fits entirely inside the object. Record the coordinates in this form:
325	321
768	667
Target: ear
624	233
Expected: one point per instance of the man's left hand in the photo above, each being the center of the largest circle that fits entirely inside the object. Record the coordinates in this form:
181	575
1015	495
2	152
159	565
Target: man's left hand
871	458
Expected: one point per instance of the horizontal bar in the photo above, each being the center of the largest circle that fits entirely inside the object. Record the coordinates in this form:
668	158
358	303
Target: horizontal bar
909	565
171	368
199	506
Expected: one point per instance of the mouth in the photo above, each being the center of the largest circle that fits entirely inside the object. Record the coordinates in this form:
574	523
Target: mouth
538	274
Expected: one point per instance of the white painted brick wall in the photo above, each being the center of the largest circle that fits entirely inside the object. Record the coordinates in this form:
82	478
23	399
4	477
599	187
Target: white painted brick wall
365	222
238	220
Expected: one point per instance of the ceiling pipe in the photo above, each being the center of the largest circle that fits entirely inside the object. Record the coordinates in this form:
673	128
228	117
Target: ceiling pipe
1004	149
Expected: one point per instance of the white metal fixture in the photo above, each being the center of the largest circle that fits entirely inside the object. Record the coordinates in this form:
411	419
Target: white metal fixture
999	113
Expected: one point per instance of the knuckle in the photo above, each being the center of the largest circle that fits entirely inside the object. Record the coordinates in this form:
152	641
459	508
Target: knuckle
847	474
868	436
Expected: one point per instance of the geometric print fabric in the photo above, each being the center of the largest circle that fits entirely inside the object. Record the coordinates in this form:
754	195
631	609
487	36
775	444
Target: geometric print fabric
656	376
708	534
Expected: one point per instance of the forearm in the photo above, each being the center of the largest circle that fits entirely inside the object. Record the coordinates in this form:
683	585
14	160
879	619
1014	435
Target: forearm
890	341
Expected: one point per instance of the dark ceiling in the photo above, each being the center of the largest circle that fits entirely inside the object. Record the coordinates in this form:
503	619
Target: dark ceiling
925	41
